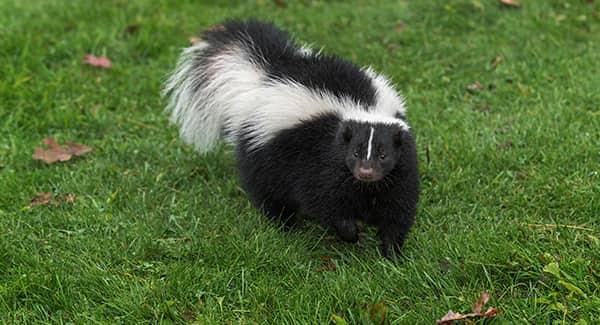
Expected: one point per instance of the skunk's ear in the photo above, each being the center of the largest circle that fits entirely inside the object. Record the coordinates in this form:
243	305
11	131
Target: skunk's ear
346	133
397	138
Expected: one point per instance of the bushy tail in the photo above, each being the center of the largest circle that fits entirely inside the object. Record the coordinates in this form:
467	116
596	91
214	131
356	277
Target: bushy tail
200	123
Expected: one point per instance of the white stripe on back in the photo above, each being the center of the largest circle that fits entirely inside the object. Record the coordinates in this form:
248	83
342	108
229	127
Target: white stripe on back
231	94
370	143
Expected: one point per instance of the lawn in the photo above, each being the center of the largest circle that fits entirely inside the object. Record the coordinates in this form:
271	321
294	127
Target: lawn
504	102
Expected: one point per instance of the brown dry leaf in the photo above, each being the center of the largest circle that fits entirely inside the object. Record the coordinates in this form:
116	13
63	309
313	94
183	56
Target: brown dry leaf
47	198
53	154
77	149
328	267
474	87
56	152
490	312
97	61
452	316
43	198
483	299
69	198
511	3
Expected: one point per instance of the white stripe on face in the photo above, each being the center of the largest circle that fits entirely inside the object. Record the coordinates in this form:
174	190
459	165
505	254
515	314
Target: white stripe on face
370	147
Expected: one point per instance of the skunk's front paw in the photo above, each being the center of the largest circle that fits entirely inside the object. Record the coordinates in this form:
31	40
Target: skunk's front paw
391	242
347	230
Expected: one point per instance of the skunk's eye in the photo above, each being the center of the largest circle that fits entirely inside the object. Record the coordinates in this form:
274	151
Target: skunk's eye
356	153
382	156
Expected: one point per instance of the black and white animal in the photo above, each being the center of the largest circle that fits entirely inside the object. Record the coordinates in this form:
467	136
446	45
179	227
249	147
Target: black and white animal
314	134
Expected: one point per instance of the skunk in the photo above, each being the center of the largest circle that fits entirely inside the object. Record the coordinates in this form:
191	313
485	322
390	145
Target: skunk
314	134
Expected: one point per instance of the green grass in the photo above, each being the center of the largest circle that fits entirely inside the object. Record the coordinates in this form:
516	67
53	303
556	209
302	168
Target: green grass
160	234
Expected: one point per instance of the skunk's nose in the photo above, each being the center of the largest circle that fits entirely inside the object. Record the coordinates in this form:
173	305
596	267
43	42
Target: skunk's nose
365	173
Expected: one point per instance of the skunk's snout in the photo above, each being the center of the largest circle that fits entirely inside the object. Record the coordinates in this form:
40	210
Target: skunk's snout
365	173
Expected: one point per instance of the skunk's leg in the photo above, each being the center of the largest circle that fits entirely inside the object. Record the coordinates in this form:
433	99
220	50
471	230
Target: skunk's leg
394	222
392	239
280	212
337	216
346	229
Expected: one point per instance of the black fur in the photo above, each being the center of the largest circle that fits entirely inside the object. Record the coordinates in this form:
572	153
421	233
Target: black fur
304	169
317	167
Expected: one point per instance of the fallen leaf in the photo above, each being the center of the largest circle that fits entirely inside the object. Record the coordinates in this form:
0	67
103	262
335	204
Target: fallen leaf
280	3
452	316
77	149
56	152
194	40
474	87
483	299
511	3
131	29
328	267
490	312
43	198
53	154
46	198
69	198
97	61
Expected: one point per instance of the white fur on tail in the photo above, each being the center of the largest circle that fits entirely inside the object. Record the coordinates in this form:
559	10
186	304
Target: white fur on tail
236	97
199	124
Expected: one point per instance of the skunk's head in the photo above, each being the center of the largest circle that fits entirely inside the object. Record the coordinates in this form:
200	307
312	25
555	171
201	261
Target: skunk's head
373	150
